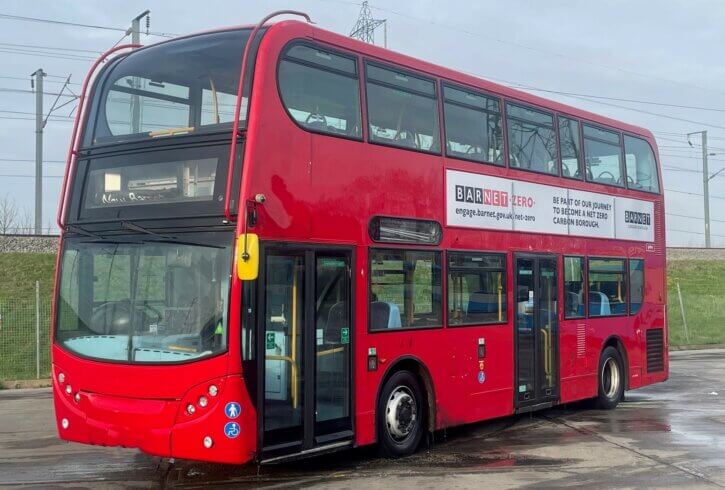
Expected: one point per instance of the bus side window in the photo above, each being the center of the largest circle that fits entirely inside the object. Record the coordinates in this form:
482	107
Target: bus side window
405	289
570	148
607	287
603	156
473	126
532	139
402	110
320	90
574	287
636	285
476	288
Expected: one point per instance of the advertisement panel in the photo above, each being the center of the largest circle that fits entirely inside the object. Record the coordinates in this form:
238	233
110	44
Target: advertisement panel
486	202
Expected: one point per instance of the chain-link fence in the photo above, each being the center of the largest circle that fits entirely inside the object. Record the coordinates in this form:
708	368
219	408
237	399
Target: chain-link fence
25	336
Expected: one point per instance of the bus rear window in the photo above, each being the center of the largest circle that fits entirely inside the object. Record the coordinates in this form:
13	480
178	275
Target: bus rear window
641	166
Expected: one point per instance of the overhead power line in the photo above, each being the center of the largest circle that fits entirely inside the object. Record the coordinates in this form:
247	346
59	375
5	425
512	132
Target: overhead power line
53	48
25	79
26	91
636	101
459	29
23	160
694	217
693	193
77	24
46	55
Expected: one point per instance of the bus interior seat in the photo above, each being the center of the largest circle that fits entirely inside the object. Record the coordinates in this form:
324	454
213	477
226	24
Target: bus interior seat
598	304
574	304
383	313
482	302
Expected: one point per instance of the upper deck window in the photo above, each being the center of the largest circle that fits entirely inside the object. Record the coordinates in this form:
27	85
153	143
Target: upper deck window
473	126
603	156
532	139
402	110
641	165
570	148
320	90
178	87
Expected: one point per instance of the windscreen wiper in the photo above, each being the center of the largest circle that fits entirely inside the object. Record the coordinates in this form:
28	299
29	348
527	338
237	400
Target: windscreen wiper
129	225
81	231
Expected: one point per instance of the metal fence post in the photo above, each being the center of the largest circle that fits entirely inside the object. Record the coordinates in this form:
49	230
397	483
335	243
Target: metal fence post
682	309
37	329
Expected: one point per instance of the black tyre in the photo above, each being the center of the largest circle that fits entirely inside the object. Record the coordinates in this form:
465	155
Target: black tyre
611	379
400	415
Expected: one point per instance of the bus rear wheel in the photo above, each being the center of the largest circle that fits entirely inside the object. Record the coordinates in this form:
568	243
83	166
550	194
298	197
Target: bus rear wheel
611	379
400	415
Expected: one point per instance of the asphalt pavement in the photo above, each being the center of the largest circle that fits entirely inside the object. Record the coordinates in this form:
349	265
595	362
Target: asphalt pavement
670	434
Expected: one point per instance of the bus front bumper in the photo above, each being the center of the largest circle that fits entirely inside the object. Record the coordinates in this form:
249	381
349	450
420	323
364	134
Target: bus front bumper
166	428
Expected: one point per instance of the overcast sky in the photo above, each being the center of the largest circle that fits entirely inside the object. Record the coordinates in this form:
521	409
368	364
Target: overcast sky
667	52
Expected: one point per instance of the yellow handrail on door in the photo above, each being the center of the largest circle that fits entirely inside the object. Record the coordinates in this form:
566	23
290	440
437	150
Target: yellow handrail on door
293	360
547	354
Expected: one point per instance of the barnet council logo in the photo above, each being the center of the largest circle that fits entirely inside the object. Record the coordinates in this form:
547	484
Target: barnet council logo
480	195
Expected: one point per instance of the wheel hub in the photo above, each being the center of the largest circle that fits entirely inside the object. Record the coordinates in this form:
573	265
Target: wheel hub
401	413
610	378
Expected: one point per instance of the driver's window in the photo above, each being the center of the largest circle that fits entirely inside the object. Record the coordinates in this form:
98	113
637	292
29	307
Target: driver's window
320	90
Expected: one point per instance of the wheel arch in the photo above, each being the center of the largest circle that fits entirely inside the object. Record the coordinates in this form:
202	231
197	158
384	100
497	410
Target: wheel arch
616	342
422	373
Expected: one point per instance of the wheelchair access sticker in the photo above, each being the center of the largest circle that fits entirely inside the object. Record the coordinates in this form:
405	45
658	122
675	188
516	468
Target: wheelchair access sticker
232	410
231	430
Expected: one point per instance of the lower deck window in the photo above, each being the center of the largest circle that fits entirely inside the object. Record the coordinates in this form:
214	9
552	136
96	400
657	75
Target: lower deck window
574	287
405	289
607	287
636	284
476	288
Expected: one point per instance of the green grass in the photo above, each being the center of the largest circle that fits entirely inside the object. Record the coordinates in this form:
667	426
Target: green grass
702	284
19	271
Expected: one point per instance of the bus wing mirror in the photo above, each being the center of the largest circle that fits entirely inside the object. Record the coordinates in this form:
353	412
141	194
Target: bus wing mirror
248	256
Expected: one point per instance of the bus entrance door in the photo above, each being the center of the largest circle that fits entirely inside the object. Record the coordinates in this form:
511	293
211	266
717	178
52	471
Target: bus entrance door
305	335
536	332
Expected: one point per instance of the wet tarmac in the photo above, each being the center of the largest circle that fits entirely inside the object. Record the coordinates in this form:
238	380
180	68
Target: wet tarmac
671	434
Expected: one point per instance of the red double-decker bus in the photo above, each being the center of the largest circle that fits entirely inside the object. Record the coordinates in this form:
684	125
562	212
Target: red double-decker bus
280	241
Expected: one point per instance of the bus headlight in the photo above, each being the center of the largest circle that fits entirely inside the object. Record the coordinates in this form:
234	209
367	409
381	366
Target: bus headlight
208	442
190	409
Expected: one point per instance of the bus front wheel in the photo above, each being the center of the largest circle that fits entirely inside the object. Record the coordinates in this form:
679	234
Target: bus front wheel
400	415
611	379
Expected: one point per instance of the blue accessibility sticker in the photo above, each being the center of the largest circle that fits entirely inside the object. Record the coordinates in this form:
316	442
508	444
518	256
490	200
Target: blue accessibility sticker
232	430
481	377
233	409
